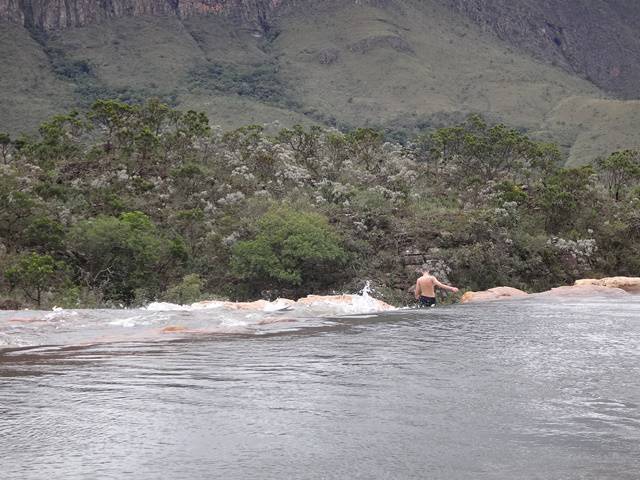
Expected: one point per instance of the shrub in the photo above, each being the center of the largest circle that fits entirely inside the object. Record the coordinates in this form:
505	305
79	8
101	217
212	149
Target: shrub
34	273
511	192
261	82
189	290
289	249
120	254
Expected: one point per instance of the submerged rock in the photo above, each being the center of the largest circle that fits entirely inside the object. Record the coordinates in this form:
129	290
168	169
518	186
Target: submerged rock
358	302
628	284
497	293
582	290
258	305
173	329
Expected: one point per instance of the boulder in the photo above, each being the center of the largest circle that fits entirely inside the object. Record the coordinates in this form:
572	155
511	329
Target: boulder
628	284
497	293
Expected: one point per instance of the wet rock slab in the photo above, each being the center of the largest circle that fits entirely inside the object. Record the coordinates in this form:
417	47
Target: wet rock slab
614	286
497	293
628	284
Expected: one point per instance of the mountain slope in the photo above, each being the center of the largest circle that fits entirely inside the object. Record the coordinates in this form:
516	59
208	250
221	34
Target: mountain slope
29	89
402	65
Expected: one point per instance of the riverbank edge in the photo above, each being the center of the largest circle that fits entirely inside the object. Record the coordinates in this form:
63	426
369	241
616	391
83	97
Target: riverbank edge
582	287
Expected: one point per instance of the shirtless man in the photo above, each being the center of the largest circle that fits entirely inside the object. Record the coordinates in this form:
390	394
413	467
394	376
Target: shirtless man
426	289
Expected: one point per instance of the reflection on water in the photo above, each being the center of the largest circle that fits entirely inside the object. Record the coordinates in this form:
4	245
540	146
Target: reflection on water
522	389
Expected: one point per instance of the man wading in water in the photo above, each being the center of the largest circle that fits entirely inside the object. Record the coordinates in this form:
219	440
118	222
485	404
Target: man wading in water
426	289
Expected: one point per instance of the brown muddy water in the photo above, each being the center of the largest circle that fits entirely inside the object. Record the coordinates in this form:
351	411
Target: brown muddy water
527	389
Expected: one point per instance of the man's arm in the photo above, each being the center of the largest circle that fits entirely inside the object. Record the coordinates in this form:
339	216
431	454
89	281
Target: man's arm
443	286
417	290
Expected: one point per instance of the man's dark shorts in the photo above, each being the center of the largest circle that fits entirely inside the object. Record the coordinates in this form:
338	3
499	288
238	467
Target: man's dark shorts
426	302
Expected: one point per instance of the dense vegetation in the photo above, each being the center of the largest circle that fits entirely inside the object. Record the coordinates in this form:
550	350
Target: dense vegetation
126	204
260	82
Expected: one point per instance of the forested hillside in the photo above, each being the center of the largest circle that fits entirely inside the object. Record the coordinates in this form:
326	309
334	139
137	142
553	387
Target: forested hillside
125	204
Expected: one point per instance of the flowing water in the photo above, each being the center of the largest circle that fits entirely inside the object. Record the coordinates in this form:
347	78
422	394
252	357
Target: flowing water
529	389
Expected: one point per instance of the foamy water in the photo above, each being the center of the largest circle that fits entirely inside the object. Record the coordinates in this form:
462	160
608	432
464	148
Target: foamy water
162	321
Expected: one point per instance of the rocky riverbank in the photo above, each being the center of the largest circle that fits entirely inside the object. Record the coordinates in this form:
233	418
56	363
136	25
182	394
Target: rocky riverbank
583	287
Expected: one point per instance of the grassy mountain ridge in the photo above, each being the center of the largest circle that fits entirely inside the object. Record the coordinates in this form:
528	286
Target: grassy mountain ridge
401	65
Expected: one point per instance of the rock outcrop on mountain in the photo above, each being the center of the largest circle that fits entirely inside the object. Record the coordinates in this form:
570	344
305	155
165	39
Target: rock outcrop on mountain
49	15
597	39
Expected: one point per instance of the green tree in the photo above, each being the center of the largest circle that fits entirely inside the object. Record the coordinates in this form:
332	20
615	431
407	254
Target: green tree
44	234
118	255
190	224
486	152
189	290
116	121
253	149
619	171
59	140
182	140
563	197
244	139
290	249
436	148
510	192
335	148
147	148
34	273
365	145
17	205
188	178
5	147
304	142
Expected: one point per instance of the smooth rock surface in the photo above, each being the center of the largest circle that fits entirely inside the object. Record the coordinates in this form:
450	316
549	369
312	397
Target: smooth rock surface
497	293
346	299
582	290
628	284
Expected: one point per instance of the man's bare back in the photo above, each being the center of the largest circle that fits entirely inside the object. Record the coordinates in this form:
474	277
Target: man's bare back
425	291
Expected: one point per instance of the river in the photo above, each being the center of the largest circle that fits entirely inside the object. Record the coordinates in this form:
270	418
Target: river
524	389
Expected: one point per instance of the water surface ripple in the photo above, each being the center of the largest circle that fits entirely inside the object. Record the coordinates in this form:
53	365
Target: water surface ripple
530	389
